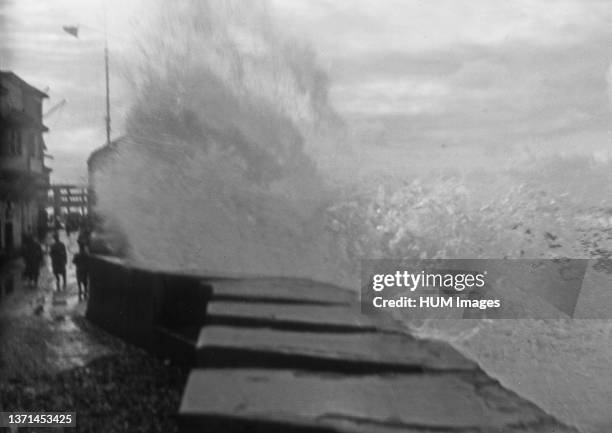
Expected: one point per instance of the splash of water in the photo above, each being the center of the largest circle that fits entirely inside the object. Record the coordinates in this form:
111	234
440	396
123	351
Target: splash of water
214	172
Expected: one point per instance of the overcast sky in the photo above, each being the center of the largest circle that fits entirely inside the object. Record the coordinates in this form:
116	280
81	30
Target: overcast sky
431	72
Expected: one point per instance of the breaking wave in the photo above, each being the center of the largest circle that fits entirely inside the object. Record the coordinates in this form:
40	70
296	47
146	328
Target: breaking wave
216	142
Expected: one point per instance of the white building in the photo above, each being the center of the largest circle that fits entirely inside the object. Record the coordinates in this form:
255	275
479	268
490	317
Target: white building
24	179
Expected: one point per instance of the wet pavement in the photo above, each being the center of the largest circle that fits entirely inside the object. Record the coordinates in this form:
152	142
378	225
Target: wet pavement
41	328
53	359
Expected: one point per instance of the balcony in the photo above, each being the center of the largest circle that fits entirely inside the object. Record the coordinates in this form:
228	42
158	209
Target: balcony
18	182
14	163
22	163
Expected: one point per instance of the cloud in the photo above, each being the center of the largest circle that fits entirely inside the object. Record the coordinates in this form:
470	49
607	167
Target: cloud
350	27
408	95
609	82
464	71
458	71
498	94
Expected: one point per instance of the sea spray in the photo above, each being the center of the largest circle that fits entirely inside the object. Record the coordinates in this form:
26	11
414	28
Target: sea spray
198	218
213	172
549	208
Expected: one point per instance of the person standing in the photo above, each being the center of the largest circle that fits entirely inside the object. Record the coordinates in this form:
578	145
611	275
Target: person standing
33	257
43	222
59	257
26	253
58	224
36	260
68	226
81	262
84	237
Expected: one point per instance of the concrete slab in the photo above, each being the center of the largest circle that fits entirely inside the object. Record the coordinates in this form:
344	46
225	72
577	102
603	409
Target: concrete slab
220	346
284	401
283	290
177	344
330	318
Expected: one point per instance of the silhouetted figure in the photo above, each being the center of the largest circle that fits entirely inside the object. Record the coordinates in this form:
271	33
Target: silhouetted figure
25	253
59	257
43	219
33	258
84	237
58	224
81	261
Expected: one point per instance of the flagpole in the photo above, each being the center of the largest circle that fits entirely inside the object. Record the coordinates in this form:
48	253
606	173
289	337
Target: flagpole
74	31
108	118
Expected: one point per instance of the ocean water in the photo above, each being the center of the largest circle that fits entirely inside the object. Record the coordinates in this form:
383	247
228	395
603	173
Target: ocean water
563	366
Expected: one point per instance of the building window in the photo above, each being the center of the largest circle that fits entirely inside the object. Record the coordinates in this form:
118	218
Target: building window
15	145
6	142
11	143
32	145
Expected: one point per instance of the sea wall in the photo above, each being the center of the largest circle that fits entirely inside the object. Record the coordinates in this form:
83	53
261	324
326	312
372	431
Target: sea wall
264	343
130	302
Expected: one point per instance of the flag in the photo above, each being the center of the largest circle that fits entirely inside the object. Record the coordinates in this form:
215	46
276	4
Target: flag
73	30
